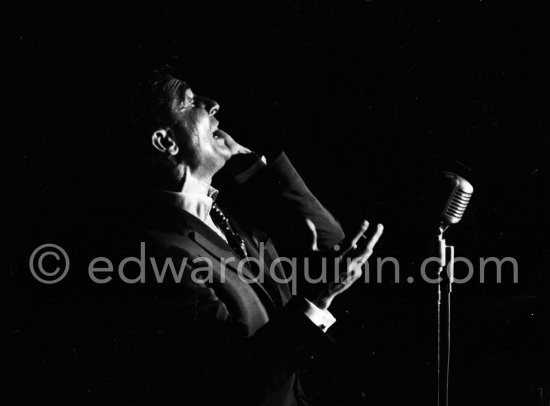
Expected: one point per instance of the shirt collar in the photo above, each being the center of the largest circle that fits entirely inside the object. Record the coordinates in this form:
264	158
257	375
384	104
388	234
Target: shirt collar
195	198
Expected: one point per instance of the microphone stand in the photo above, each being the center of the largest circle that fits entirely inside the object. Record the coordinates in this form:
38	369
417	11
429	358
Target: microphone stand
444	289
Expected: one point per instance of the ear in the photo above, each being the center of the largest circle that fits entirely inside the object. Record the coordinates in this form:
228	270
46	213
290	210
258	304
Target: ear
164	142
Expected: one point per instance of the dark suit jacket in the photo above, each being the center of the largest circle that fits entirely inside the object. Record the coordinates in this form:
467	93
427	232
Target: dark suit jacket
225	342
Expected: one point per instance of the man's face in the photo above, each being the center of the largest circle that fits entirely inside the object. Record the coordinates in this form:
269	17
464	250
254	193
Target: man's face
195	129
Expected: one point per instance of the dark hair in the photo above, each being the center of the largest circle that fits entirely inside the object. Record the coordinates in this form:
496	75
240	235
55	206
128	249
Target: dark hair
152	100
151	109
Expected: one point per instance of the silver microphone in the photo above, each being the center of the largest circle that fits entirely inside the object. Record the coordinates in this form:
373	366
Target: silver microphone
459	196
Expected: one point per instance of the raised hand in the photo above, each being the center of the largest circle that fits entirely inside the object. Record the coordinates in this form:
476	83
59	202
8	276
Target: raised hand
353	269
233	146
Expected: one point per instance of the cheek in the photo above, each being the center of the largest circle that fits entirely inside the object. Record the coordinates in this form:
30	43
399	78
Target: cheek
202	127
192	123
196	123
193	133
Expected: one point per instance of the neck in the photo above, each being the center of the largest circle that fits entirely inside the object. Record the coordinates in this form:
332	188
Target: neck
193	182
180	179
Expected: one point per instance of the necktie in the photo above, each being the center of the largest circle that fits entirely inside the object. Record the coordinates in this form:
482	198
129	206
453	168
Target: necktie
222	222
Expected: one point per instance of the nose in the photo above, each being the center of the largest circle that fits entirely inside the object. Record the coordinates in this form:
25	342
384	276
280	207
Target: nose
209	105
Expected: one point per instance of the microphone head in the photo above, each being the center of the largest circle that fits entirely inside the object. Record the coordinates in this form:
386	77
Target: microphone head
459	196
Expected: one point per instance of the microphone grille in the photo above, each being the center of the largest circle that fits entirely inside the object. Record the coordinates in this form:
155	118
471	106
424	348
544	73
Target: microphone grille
458	199
458	203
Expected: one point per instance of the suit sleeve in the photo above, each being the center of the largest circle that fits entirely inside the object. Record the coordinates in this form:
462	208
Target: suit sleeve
193	346
275	197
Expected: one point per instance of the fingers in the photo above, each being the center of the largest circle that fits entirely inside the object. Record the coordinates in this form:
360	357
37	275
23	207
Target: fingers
313	230
356	238
223	134
371	243
233	145
353	271
364	227
244	150
354	267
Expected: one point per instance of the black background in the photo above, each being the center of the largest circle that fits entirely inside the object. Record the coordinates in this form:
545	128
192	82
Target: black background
371	100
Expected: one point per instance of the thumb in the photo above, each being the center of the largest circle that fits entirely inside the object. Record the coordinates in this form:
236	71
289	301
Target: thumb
313	230
233	145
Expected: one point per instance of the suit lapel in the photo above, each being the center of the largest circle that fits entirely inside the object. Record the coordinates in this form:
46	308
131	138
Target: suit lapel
259	246
183	222
219	249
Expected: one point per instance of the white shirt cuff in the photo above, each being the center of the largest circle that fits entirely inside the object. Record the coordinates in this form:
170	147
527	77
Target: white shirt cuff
321	318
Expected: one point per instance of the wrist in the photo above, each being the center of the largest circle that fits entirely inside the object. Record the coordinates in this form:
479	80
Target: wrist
323	303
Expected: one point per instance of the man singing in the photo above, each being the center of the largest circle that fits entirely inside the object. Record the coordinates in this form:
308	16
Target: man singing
232	332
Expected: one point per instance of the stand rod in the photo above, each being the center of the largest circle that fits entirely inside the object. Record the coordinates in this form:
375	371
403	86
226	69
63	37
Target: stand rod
444	289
